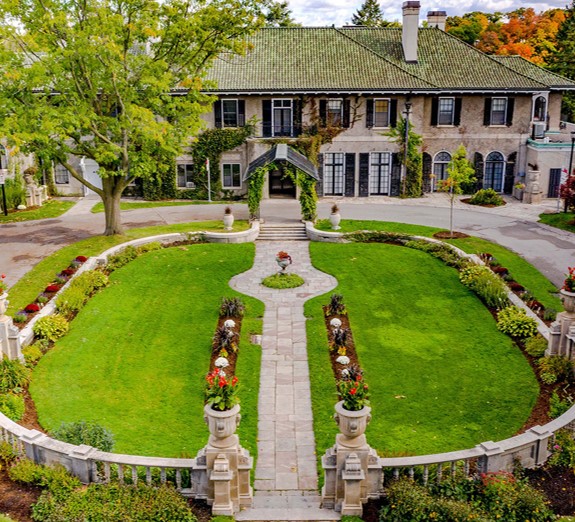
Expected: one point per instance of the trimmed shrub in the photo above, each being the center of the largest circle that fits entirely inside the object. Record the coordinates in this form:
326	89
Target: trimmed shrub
12	406
55	478
439	251
536	346
149	247
71	301
486	197
115	503
51	328
7	452
13	375
84	432
282	281
32	354
377	236
554	368
488	287
122	258
514	322
558	406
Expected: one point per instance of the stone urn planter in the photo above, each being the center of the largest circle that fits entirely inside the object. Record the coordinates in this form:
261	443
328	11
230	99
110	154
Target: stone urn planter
352	425
228	219
222	425
568	299
3	303
335	218
283	259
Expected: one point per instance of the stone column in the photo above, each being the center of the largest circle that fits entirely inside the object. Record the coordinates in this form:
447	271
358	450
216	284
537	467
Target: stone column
9	334
562	330
352	477
532	193
221	477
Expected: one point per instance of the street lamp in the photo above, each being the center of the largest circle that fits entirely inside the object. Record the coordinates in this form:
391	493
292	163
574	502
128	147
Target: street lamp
570	168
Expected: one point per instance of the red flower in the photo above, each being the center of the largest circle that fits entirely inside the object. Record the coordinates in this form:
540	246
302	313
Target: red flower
365	386
353	391
53	288
81	259
234	380
359	377
31	308
222	382
68	271
3	276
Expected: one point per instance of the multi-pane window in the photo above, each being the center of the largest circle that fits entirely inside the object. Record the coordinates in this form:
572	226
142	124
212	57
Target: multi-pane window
231	177
282	117
494	168
379	172
185	179
445	111
334	173
334	112
61	175
498	111
230	113
540	109
440	163
381	113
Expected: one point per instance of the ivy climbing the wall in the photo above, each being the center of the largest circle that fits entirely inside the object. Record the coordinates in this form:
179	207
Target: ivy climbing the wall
255	189
307	194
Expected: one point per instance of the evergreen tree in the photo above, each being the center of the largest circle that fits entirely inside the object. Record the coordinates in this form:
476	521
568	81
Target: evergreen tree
562	60
369	14
278	14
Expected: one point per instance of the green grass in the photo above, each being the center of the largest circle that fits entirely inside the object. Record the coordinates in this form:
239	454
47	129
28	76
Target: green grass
129	205
520	270
50	209
281	281
564	220
136	356
34	281
442	376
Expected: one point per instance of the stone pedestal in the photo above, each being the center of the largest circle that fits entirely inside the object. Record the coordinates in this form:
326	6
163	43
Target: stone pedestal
562	330
9	334
228	465
532	193
352	470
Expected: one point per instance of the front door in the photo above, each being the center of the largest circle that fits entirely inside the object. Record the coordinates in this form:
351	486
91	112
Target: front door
281	185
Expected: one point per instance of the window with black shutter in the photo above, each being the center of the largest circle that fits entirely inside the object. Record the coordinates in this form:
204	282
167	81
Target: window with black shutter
350	175
369	108
266	118
364	174
218	114
393	112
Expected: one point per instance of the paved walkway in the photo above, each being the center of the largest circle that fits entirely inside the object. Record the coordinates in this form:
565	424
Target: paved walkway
286	474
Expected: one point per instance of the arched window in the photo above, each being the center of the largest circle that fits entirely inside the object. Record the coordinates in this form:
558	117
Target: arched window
440	163
540	109
494	169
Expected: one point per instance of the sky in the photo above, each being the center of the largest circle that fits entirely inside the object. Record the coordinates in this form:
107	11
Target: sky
339	12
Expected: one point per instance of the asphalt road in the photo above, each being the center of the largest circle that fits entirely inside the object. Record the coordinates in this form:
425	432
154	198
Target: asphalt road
23	245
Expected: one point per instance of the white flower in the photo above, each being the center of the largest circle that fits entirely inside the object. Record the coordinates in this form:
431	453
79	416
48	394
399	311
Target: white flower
335	322
345	372
221	362
230	323
342	359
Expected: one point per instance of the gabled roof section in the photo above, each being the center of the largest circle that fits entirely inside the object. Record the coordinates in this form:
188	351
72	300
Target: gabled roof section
527	68
308	59
363	59
283	152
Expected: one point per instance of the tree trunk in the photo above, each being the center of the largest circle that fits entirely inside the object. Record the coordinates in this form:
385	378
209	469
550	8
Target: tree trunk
111	199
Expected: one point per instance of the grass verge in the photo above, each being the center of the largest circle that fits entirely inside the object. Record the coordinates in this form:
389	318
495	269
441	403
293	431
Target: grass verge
50	209
34	281
136	355
442	376
129	205
564	220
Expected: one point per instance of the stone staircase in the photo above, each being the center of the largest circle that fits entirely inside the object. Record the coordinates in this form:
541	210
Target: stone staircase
284	506
282	232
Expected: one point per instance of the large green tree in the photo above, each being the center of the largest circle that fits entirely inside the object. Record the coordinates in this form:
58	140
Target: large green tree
562	60
278	14
116	81
371	15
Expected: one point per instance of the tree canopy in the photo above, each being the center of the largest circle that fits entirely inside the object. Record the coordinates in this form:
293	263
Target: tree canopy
116	81
278	14
371	15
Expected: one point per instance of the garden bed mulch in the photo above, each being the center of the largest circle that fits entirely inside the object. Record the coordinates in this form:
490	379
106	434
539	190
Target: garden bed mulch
467	200
232	356
445	234
16	499
558	485
350	346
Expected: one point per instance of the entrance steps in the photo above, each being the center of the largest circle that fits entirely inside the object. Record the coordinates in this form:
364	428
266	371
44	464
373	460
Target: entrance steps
282	232
284	506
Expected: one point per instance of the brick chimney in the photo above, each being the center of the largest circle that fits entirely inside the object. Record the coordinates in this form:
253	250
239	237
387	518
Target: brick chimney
436	19
409	30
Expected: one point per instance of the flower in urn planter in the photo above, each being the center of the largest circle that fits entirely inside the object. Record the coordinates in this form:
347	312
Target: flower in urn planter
3	285
221	392
569	283
283	259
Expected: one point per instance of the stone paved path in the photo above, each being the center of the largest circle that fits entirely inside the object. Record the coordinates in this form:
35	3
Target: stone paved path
286	474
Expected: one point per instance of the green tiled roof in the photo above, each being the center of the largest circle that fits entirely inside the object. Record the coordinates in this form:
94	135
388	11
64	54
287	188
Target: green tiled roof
523	66
358	59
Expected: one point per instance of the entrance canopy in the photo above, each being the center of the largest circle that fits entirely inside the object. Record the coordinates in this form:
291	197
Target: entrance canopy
282	152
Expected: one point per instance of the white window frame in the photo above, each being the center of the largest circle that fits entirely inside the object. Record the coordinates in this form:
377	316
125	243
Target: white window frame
328	114
334	173
533	114
375	123
504	122
282	100
235	100
186	183
504	162
239	173
451	115
378	171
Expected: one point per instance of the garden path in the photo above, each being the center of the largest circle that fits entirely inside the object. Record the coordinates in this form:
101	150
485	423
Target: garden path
286	473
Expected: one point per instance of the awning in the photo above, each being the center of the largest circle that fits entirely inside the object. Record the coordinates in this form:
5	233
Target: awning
283	152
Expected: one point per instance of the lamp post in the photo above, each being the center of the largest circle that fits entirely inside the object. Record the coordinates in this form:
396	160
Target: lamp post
570	168
407	113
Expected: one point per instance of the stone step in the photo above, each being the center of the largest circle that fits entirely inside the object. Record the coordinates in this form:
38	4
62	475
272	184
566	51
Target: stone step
276	507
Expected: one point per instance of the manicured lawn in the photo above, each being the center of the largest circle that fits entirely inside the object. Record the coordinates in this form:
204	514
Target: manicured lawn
136	355
34	282
50	209
442	377
129	205
564	220
521	270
